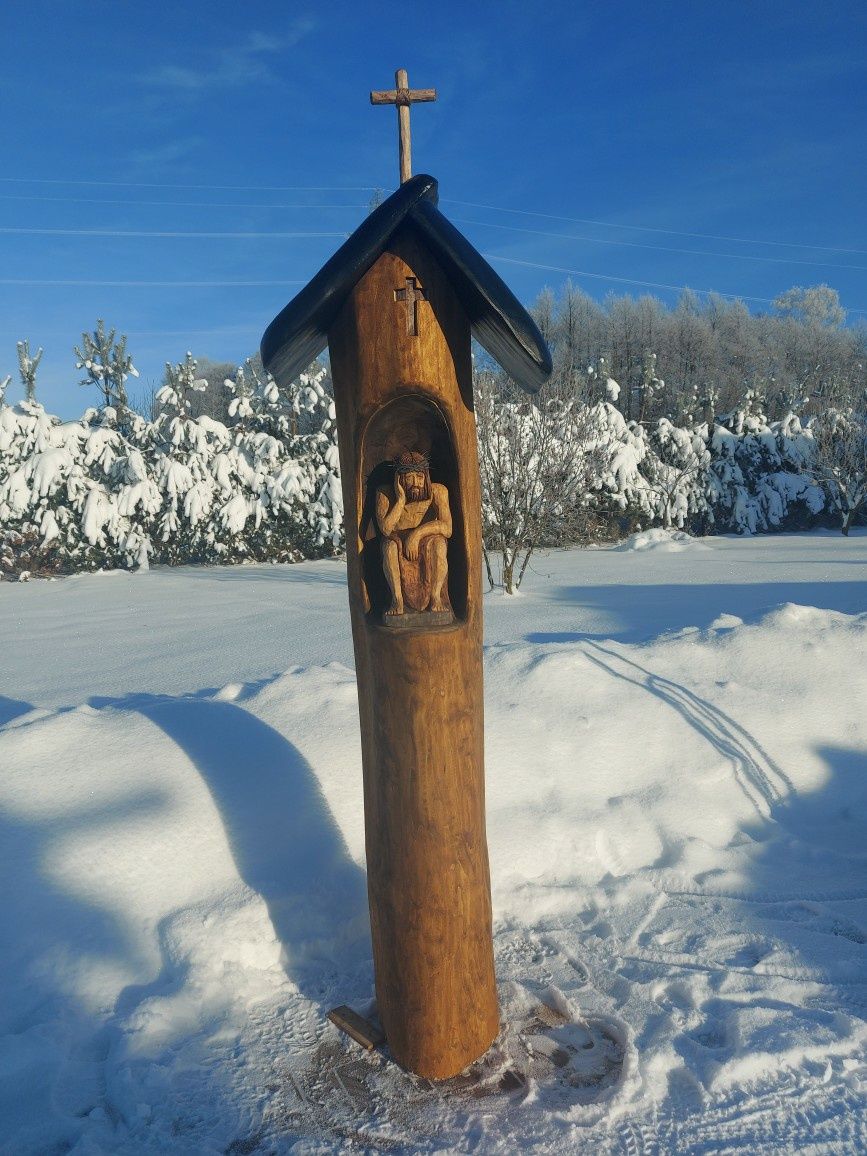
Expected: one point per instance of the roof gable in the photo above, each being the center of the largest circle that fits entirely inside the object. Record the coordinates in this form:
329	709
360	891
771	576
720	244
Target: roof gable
498	320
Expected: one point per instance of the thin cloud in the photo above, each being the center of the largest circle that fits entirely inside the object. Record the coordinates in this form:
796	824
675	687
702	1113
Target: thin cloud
247	62
163	155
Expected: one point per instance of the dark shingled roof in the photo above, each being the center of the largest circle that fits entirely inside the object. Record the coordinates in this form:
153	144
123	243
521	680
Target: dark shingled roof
499	322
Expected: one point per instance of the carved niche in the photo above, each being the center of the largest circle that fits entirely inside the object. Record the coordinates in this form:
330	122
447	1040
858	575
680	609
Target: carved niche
413	560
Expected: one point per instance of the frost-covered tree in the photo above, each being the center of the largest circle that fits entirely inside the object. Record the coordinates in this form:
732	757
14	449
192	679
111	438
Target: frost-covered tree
5	382
107	365
575	336
535	461
27	366
799	351
818	305
543	311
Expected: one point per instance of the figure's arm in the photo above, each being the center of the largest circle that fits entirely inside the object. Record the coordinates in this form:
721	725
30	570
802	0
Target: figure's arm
388	513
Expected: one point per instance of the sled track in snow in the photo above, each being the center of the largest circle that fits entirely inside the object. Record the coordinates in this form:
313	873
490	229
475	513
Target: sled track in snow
763	783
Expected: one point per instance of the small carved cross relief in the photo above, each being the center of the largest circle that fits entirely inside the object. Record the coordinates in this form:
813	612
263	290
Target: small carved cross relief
410	296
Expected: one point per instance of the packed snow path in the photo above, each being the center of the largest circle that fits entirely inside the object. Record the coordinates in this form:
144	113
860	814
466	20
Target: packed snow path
677	802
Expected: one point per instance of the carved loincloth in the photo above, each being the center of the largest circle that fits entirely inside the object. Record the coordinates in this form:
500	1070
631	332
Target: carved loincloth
416	578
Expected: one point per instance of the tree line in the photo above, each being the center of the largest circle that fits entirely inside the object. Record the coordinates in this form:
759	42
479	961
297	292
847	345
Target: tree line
703	417
701	358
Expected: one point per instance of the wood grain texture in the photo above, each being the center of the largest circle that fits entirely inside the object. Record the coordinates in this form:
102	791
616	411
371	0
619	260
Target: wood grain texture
420	690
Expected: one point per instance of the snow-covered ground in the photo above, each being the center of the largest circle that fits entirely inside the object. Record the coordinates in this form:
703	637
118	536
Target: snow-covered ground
677	820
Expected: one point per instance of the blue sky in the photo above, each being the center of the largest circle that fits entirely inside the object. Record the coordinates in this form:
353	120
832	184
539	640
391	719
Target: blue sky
720	146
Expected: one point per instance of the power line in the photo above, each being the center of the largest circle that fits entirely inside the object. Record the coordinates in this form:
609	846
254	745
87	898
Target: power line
660	248
149	284
220	331
165	185
150	233
9	230
447	200
651	229
294	234
212	331
632	281
170	204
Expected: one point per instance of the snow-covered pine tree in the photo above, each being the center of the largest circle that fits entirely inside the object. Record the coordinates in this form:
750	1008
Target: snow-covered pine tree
622	496
304	488
182	456
27	366
677	468
757	478
601	385
240	407
40	487
107	365
840	458
651	386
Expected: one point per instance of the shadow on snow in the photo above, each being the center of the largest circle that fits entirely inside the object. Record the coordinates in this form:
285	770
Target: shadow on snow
285	842
641	613
12	708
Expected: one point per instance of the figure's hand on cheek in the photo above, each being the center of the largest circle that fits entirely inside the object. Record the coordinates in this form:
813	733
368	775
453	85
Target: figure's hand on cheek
400	492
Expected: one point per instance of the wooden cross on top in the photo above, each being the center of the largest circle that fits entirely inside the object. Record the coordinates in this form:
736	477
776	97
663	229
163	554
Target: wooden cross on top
403	96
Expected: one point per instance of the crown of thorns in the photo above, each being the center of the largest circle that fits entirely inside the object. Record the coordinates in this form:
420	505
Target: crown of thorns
411	462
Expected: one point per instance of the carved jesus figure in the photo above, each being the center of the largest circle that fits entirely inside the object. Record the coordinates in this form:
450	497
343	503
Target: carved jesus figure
415	523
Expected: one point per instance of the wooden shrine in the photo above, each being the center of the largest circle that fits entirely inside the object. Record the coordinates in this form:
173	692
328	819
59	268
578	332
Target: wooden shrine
397	305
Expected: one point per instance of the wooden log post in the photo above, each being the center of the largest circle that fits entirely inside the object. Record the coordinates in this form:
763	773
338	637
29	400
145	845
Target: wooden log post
396	305
420	688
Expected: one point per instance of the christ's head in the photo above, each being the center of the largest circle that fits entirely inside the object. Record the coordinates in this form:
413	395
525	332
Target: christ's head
413	470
